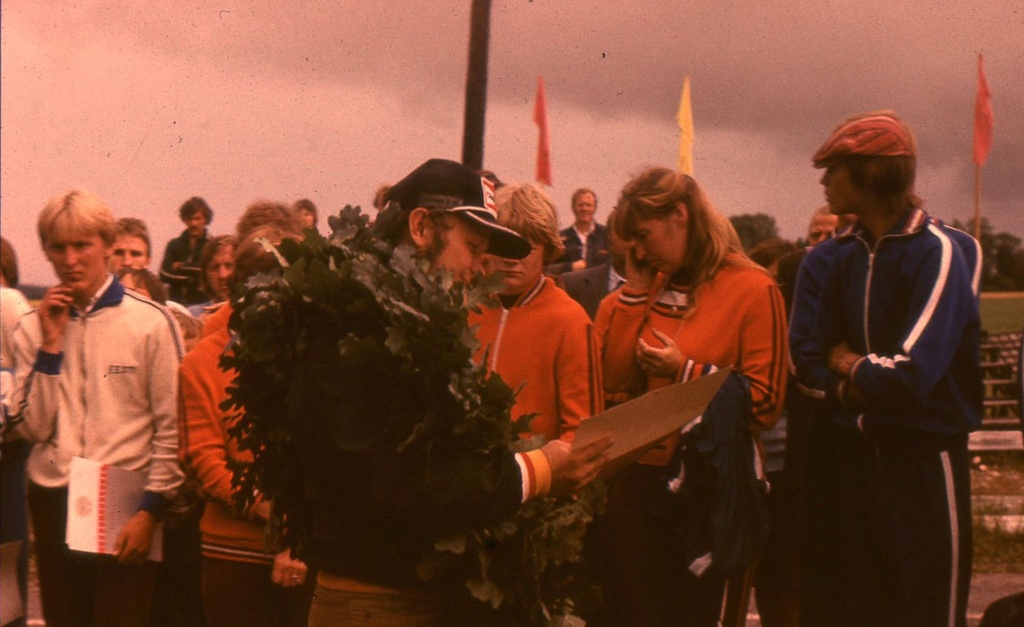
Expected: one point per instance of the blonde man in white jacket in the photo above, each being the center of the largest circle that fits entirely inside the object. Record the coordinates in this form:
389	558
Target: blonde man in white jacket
96	378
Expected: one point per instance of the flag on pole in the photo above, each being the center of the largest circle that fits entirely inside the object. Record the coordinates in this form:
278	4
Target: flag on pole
983	118
685	119
540	117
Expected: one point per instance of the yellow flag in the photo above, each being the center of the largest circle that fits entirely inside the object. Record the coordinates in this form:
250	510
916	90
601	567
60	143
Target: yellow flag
685	119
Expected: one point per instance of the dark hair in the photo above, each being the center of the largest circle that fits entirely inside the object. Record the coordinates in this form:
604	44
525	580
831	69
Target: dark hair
771	250
380	196
157	290
305	204
193	205
8	263
889	179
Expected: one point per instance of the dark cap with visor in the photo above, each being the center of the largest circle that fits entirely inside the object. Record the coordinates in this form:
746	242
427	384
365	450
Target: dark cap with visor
440	184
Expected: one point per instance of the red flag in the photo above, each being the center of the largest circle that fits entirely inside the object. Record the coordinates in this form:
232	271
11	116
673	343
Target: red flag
983	118
540	117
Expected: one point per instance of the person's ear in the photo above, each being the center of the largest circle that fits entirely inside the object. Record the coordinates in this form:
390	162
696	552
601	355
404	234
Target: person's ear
681	212
421	228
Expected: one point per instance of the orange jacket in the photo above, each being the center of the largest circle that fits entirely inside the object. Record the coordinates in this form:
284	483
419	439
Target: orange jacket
206	449
546	345
739	321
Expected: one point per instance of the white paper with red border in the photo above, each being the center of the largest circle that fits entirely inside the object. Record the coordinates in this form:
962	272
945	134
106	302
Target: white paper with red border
101	499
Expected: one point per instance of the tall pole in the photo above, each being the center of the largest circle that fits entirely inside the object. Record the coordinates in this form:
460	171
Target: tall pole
476	85
977	202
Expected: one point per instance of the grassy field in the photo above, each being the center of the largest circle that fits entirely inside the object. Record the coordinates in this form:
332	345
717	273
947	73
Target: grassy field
1002	312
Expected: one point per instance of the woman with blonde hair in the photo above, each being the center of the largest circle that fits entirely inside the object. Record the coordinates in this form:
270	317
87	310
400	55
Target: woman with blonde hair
692	303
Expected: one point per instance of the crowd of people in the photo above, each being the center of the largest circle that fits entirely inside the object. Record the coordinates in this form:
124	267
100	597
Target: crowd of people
857	350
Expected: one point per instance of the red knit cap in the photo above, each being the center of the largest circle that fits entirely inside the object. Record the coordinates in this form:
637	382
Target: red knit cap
874	135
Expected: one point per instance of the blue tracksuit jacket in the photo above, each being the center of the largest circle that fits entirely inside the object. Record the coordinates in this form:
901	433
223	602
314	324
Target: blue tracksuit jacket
908	305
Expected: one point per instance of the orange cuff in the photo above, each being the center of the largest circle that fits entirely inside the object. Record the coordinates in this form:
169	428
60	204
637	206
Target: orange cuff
536	473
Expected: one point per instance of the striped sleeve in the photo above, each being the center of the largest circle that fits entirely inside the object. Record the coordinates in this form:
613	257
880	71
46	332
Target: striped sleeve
763	338
536	473
942	301
619	323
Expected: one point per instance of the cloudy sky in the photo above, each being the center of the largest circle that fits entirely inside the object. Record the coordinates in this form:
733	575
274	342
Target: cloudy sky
148	103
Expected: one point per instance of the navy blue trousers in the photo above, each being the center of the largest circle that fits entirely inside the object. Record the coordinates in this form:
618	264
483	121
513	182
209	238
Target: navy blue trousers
886	529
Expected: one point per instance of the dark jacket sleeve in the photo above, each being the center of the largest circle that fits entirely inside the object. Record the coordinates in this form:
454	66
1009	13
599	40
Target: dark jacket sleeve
597	246
807	329
176	251
573	252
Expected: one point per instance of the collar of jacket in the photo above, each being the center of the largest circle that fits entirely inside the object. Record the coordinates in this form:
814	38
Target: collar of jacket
205	236
111	297
912	221
526	297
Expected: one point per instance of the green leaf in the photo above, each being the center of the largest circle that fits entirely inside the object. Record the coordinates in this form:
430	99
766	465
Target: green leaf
486	591
454	544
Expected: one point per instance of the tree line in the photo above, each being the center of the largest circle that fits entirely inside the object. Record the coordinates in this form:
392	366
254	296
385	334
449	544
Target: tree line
1003	258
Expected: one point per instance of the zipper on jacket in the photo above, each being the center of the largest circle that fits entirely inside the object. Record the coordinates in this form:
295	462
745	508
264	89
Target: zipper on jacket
867	283
872	250
867	289
82	372
497	338
867	301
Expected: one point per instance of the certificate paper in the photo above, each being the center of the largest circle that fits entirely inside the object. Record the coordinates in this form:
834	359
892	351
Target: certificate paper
642	422
101	499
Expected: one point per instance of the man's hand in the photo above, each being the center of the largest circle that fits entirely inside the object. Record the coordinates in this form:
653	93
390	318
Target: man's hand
260	511
288	572
571	469
851	395
579	264
135	538
841	359
659	361
54	312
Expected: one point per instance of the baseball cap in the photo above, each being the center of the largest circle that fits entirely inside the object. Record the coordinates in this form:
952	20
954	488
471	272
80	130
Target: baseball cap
451	186
878	134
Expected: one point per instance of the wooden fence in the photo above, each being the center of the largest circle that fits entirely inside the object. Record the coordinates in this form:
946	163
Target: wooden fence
1001	427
